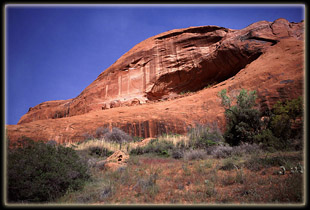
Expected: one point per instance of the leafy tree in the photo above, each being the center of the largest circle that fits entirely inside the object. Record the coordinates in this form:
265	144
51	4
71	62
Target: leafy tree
244	124
284	114
243	120
292	108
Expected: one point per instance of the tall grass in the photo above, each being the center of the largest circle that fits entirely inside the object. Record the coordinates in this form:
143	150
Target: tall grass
103	144
176	139
110	140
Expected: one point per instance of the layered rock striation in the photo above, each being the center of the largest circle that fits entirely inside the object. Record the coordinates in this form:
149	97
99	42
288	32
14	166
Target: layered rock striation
265	56
170	63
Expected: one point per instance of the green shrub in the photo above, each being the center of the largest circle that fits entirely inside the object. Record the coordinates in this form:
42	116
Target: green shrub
99	151
282	117
228	164
281	126
283	129
202	137
293	108
268	140
243	121
283	122
155	146
158	147
137	151
39	172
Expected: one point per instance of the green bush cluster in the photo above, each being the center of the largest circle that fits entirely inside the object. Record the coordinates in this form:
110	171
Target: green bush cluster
284	115
39	172
280	132
244	122
269	140
163	148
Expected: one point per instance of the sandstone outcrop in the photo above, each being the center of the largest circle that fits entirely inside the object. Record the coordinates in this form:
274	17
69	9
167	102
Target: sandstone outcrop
143	143
175	61
265	56
116	161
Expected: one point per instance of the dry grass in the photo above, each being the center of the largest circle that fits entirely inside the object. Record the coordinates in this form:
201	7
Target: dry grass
112	146
239	178
125	146
150	179
175	139
101	143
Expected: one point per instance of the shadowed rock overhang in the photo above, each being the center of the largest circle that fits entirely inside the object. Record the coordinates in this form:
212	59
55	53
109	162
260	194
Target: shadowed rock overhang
161	67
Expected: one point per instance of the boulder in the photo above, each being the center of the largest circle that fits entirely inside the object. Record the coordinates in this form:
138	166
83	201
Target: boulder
116	161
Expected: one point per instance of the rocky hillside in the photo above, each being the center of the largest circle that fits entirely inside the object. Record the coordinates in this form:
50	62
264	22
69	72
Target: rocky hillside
143	91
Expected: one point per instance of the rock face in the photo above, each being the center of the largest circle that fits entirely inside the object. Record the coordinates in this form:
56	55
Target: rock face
169	63
265	56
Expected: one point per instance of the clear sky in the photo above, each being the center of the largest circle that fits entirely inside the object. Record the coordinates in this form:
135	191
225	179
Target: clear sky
54	52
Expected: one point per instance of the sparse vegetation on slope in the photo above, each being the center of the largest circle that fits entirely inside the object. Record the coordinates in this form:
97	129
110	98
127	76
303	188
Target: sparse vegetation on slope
153	179
203	166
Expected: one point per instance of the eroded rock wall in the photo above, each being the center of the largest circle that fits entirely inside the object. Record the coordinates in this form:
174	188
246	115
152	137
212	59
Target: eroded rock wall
170	63
276	72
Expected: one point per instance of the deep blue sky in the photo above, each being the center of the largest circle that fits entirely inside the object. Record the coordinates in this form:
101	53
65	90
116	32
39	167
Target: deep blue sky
54	52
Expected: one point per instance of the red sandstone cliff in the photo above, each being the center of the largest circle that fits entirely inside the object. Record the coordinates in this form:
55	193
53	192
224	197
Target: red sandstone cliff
265	56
